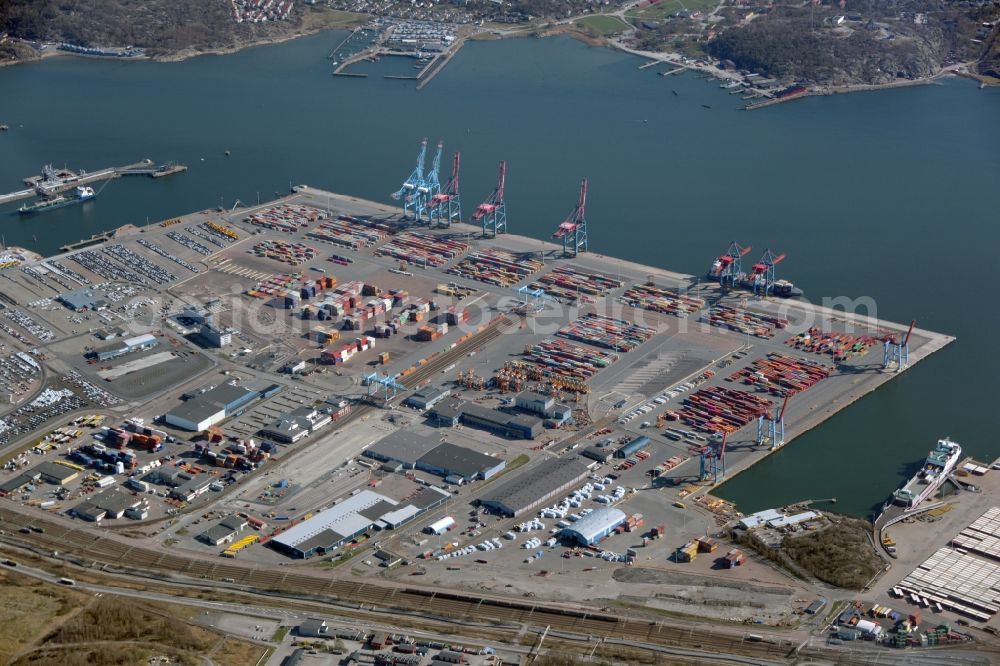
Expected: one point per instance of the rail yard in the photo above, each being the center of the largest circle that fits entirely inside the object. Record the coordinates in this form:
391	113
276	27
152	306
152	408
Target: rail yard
319	396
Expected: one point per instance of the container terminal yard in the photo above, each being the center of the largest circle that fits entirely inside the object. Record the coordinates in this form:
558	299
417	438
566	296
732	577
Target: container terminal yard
395	409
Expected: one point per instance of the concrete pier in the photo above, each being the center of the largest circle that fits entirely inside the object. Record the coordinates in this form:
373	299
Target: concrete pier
444	60
40	187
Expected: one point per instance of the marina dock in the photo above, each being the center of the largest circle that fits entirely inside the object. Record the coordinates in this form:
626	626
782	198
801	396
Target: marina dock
427	74
53	181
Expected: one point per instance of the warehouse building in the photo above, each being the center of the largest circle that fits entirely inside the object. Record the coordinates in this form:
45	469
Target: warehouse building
224	532
403	446
530	489
191	486
313	628
108	504
54	473
296	424
513	426
459	464
19	482
788	521
637	444
210	407
426	498
82	299
427	397
328	530
760	518
593	527
543	405
598	453
126	346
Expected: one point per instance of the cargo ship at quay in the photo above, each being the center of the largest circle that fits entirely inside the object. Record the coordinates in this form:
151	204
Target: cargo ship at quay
940	463
81	195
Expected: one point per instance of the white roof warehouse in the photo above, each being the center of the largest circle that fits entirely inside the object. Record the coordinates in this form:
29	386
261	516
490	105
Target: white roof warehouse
329	529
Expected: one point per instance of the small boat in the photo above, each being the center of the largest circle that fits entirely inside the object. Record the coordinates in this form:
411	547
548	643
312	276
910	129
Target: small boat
705	106
675	93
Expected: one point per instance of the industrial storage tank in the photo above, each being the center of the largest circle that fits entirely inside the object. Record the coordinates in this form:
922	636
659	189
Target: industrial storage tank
440	526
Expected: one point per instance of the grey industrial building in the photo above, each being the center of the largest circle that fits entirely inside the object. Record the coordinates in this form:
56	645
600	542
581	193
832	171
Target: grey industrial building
213	406
19	482
450	460
191	486
427	397
224	531
543	405
82	299
108	504
514	426
126	346
530	489
599	453
593	527
402	446
296	424
409	450
54	473
313	627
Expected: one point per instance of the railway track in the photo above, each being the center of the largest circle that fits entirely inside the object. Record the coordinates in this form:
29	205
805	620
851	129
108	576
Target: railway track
102	550
425	372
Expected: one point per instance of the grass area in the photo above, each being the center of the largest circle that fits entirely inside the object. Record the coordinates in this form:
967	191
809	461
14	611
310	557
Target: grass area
58	626
29	608
664	8
112	630
117	619
517	462
840	555
234	652
603	25
279	634
344	557
321	18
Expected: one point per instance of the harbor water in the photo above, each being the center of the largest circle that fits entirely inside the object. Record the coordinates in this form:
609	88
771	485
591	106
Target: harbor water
890	195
